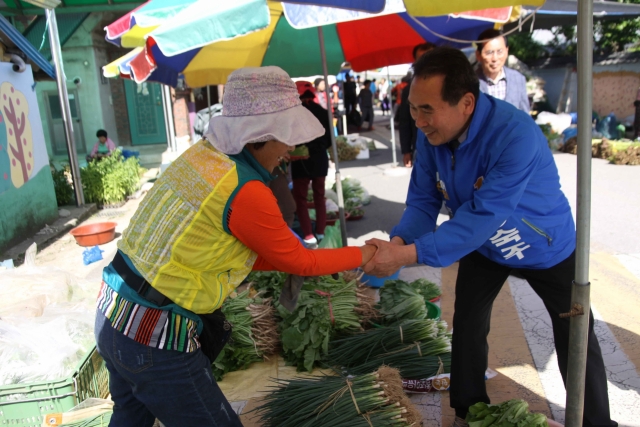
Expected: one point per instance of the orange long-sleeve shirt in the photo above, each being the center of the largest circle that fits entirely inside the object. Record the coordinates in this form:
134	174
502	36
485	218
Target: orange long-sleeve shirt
256	221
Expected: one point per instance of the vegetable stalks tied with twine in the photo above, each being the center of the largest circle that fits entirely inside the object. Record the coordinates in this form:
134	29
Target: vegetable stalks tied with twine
254	336
373	399
418	348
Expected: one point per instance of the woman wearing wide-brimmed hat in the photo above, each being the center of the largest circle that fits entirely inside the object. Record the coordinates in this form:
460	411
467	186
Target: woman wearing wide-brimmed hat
208	221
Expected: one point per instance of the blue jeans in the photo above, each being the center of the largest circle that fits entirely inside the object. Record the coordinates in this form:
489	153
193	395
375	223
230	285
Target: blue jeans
148	383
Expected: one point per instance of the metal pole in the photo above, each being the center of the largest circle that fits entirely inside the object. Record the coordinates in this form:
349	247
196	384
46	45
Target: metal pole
579	329
56	54
393	129
168	116
208	99
334	147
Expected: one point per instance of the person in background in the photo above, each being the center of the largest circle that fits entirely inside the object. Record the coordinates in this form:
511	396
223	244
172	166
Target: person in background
495	79
350	96
491	164
383	95
321	96
406	124
374	89
396	95
365	100
312	170
335	96
279	186
103	148
208	221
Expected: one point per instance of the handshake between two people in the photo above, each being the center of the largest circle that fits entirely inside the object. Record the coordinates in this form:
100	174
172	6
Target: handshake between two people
381	258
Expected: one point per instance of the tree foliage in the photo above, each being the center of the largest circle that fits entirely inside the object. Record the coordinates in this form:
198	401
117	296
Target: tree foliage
565	41
613	36
609	36
524	47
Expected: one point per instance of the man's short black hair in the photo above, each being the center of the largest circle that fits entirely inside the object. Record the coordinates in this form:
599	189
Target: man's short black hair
422	46
459	76
490	34
366	82
101	132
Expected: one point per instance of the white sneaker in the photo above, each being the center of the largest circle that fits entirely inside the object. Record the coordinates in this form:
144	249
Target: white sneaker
311	243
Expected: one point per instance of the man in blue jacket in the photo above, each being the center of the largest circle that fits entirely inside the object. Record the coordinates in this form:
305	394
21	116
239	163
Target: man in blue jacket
495	79
491	165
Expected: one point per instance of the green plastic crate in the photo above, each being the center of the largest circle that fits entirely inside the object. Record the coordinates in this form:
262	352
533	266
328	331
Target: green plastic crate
25	405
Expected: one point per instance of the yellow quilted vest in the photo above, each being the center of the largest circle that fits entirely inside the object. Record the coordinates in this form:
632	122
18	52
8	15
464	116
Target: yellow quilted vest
178	238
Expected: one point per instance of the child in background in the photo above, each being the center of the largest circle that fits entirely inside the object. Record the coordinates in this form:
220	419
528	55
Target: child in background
103	148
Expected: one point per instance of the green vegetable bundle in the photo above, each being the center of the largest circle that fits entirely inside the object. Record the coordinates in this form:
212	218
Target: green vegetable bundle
512	413
326	308
352	189
268	283
374	399
346	151
427	289
418	348
254	336
400	301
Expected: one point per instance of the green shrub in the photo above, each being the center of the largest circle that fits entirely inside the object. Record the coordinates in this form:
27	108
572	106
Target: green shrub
62	185
111	179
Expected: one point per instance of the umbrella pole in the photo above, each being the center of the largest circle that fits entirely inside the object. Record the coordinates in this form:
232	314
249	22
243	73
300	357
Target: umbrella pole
579	329
393	129
56	55
334	147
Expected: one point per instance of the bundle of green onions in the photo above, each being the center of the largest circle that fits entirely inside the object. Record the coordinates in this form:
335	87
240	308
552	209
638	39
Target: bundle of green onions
254	336
373	399
326	308
418	348
427	289
366	302
401	301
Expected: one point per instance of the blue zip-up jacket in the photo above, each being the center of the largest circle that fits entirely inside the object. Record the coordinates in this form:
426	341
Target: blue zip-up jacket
503	189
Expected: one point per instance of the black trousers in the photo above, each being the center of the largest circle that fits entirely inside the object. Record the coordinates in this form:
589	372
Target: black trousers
478	284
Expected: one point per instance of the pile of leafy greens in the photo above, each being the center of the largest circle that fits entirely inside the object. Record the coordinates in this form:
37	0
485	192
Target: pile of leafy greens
400	300
326	309
512	413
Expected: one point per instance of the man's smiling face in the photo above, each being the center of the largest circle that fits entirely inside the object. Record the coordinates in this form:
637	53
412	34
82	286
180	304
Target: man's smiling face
440	121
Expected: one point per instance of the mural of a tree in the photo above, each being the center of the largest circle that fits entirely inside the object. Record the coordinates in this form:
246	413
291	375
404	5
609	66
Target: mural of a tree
5	163
15	110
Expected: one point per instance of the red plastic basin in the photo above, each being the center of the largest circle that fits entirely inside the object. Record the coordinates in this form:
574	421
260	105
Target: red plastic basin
94	234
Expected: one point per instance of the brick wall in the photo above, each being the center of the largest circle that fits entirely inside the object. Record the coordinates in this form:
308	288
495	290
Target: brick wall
119	101
181	112
120	111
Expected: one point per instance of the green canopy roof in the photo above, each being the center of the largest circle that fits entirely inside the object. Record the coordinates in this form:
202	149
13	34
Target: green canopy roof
18	7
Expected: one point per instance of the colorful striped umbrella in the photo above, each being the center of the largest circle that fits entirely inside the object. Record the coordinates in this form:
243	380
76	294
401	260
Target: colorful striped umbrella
200	44
131	29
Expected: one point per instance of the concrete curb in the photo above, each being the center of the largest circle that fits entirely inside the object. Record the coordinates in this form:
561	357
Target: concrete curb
60	227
